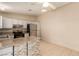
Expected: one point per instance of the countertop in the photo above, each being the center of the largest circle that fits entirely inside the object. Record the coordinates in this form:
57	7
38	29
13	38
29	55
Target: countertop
12	42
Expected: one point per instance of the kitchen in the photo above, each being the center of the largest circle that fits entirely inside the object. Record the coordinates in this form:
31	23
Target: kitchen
16	35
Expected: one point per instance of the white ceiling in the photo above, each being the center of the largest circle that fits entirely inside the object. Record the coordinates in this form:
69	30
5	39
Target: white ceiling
29	8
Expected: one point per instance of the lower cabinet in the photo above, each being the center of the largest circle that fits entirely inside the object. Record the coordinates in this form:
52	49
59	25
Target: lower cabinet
20	50
7	51
33	47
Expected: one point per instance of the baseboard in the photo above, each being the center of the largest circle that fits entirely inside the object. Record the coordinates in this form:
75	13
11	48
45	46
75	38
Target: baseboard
61	45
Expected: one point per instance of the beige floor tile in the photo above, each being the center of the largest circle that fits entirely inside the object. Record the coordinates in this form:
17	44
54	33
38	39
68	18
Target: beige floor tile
48	49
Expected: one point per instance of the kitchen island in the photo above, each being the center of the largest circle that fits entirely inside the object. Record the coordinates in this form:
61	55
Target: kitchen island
22	46
7	45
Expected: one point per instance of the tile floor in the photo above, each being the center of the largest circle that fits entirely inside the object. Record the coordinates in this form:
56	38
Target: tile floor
48	49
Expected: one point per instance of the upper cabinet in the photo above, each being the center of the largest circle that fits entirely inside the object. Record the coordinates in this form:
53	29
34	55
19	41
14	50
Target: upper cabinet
7	22
14	21
20	22
24	24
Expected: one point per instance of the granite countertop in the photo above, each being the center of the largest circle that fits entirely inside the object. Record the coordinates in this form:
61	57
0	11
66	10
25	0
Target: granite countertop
12	42
5	43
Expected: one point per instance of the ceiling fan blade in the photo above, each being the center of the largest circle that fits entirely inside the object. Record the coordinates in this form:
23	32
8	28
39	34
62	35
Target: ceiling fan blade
52	6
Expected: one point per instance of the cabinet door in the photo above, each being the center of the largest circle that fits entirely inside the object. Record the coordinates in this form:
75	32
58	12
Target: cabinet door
0	21
7	23
19	22
24	24
14	21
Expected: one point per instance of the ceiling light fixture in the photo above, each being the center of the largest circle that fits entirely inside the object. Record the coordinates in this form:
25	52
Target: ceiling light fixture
52	6
43	10
45	4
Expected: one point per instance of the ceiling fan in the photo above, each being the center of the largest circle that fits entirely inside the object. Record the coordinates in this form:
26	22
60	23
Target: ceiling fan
46	5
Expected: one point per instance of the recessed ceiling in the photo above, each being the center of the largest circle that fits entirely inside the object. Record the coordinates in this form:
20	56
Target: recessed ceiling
27	8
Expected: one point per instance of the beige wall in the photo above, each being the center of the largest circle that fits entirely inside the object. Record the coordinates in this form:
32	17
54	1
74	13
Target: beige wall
18	16
62	26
